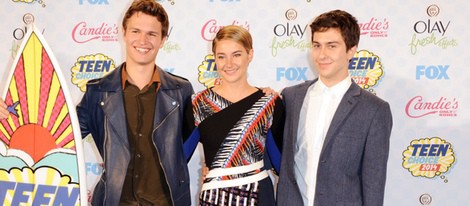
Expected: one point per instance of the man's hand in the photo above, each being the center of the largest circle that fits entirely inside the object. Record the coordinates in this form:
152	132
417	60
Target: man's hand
204	172
268	91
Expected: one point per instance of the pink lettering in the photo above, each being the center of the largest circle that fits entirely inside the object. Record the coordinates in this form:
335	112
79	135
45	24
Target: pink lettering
82	34
373	25
210	28
427	108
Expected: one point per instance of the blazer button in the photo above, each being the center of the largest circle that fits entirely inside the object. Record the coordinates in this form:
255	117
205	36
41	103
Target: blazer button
173	103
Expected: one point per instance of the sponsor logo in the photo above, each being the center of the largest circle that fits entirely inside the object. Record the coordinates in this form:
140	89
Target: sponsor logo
20	186
172	2
375	27
431	31
170	46
291	73
169	69
417	107
90	67
83	33
289	35
94	168
425	199
20	32
93	2
429	157
40	2
207	72
365	68
211	27
226	1
434	72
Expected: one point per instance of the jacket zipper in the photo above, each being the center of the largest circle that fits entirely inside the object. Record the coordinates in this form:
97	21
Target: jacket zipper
106	133
159	158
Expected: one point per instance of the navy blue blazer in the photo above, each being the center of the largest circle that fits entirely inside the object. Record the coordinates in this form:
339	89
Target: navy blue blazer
353	161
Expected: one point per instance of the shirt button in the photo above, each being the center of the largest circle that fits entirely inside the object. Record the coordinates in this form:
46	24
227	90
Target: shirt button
138	156
102	103
140	134
136	176
173	103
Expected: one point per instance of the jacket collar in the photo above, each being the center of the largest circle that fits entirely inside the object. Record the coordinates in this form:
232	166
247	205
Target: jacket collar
109	83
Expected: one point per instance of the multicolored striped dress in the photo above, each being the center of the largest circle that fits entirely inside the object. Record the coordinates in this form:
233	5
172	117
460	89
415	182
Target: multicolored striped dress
234	137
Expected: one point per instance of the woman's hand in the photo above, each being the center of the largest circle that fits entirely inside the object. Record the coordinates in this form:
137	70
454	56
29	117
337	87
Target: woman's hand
3	110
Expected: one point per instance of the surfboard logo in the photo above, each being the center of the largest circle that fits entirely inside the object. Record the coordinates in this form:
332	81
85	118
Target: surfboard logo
41	158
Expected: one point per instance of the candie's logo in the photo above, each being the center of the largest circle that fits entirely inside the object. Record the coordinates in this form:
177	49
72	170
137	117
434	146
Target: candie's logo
418	107
375	27
83	33
211	27
366	69
428	157
207	72
91	67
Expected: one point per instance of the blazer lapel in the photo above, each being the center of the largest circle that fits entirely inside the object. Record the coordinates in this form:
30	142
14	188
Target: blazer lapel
345	107
298	98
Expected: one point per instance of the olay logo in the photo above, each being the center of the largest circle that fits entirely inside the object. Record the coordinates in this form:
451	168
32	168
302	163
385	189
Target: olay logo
83	33
418	107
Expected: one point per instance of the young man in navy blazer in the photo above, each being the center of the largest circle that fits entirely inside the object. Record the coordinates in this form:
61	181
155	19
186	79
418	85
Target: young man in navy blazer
336	136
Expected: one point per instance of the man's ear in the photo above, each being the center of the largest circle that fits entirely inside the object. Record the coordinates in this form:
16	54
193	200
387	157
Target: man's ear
163	41
351	52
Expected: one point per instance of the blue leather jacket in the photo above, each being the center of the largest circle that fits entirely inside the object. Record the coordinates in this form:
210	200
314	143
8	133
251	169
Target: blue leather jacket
101	112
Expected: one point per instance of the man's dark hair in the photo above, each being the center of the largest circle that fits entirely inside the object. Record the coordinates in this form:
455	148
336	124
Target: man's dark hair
345	22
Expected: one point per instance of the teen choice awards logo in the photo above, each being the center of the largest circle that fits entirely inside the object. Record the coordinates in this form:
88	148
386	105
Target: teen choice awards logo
42	186
366	69
91	67
428	157
207	72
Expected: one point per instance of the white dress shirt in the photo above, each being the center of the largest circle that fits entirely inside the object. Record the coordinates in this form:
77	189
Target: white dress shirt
318	109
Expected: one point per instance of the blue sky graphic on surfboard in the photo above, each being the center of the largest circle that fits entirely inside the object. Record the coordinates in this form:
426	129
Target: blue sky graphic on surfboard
41	153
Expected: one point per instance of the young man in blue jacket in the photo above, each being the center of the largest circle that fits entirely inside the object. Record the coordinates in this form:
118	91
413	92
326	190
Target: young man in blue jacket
135	115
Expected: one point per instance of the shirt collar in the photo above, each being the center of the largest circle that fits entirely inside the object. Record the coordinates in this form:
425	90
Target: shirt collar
338	89
155	78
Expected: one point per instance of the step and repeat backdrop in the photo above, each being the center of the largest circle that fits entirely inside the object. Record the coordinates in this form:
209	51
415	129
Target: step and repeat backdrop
414	54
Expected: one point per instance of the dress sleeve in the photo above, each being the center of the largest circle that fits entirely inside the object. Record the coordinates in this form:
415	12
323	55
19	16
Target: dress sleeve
277	127
275	136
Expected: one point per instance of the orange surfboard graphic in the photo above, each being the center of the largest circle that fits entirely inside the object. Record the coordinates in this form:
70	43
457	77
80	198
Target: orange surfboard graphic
41	157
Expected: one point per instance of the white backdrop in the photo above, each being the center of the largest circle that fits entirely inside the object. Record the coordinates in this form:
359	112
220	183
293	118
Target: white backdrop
413	54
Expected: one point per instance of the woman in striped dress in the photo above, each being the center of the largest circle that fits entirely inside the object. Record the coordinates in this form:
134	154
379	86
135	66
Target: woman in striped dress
239	127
